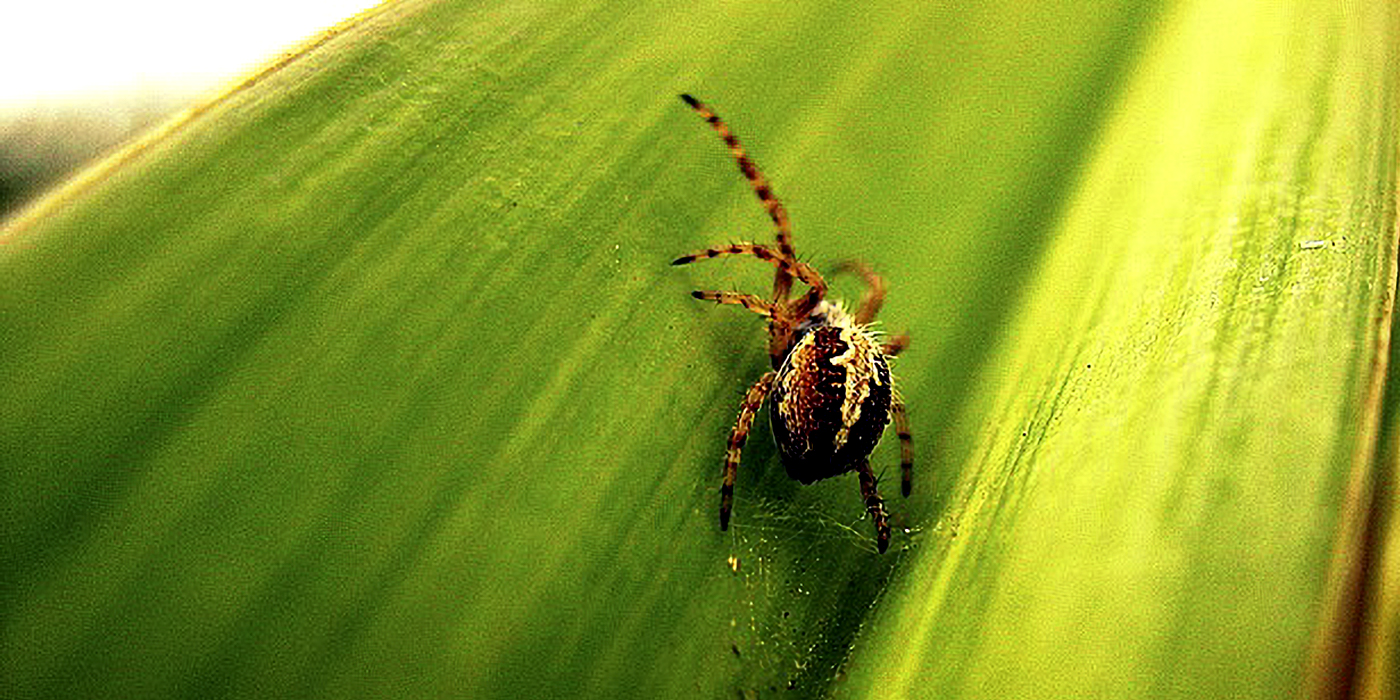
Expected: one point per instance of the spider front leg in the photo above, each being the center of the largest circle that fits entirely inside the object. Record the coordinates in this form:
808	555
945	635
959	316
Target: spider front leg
895	345
871	301
874	504
874	296
748	301
753	400
786	265
782	279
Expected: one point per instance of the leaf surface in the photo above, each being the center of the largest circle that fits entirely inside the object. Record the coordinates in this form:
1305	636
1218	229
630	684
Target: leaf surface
371	378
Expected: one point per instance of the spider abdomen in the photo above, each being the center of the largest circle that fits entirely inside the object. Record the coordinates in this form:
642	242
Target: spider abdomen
830	401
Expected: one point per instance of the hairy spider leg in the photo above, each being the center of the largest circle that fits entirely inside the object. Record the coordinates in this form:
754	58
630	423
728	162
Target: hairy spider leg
805	273
782	333
871	302
758	250
784	317
895	345
874	296
874	504
906	447
782	279
753	400
748	301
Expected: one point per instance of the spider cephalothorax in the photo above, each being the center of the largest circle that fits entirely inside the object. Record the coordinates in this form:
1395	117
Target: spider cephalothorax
830	392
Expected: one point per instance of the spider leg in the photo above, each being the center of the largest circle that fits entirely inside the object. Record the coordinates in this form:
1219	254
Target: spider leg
895	345
753	400
748	301
874	296
782	279
799	308
758	250
906	447
801	270
874	504
782	333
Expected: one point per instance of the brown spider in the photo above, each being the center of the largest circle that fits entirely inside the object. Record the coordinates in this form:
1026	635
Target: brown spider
830	390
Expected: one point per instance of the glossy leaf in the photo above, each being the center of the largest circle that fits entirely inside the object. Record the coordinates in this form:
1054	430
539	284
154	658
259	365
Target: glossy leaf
1166	491
371	377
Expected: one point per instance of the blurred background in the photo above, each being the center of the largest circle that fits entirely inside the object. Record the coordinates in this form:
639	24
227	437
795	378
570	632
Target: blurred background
81	78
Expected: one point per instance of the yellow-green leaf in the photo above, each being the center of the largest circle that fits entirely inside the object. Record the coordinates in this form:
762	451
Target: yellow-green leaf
1165	489
371	379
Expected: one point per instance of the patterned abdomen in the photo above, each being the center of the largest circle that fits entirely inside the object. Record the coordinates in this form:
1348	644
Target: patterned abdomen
830	402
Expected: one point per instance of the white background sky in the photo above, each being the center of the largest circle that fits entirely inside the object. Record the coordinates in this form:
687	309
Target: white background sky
74	50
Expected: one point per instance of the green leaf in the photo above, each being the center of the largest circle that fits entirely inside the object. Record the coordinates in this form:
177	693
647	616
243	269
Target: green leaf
1173	442
371	378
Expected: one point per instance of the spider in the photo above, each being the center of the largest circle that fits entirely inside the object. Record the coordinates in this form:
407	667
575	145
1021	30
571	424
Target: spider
830	393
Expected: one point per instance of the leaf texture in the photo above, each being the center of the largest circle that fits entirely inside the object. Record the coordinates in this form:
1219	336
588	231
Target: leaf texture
370	378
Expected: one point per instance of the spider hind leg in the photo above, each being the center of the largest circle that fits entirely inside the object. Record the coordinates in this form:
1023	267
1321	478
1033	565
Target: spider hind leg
874	504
